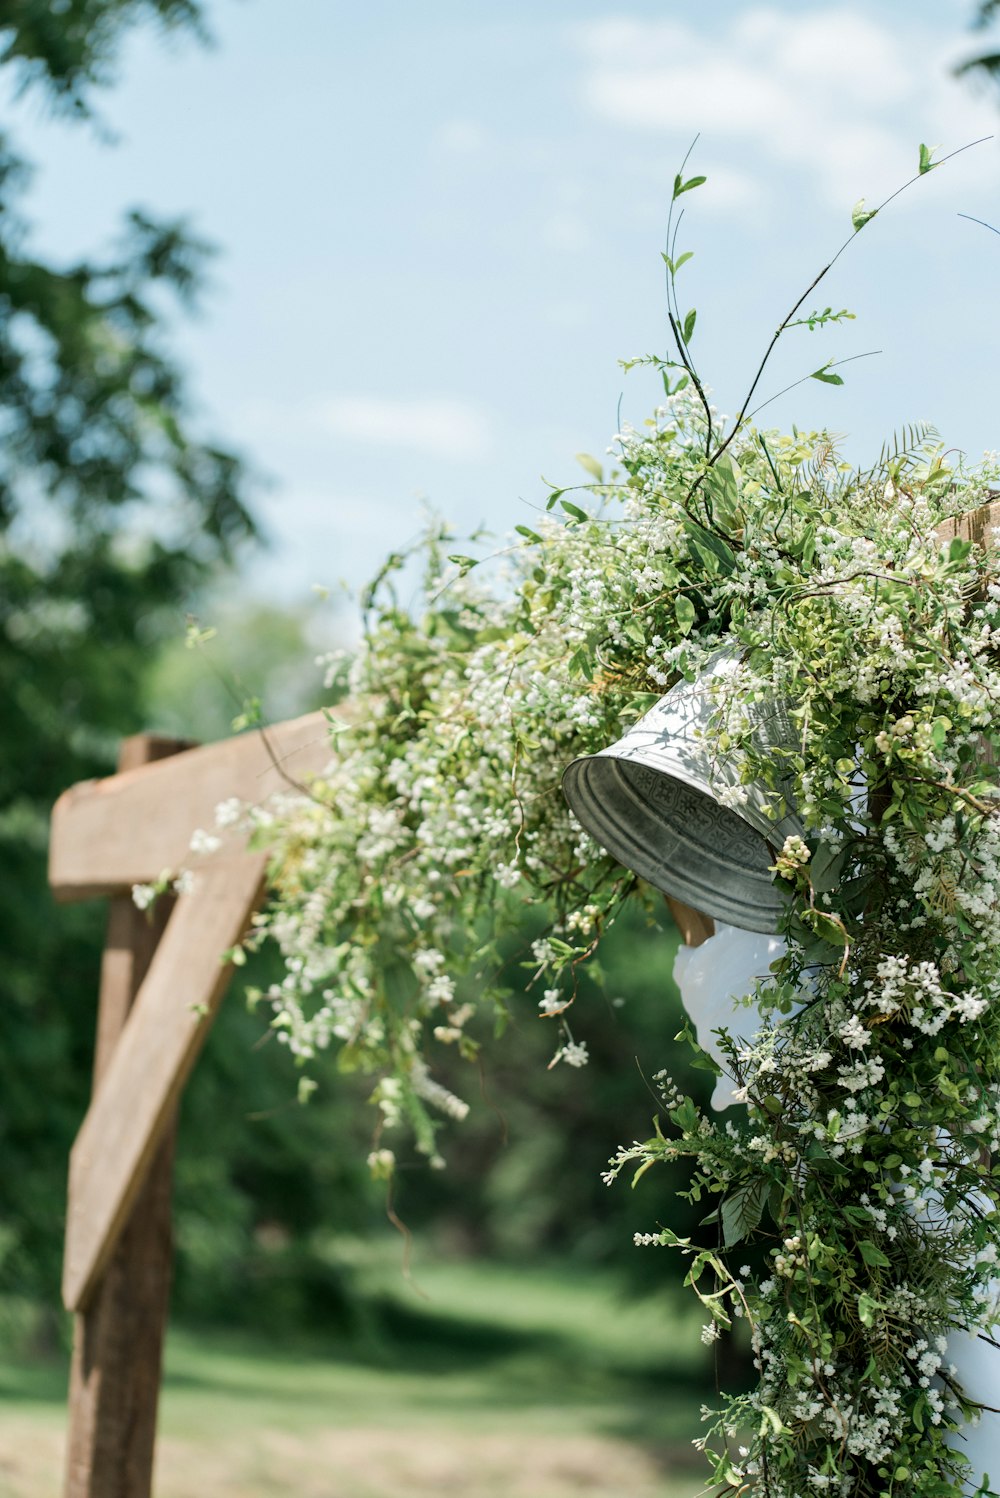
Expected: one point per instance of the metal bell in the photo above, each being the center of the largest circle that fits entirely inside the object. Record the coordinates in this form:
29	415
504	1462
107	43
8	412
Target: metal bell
656	801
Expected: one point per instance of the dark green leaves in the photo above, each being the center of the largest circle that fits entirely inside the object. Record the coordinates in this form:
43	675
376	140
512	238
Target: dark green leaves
873	1257
828	927
689	323
743	1208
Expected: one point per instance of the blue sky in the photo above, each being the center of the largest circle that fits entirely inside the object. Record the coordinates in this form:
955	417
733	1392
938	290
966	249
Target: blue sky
440	228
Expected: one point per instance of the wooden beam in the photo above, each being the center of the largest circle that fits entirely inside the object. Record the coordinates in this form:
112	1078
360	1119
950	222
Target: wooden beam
118	1344
164	1032
975	526
110	834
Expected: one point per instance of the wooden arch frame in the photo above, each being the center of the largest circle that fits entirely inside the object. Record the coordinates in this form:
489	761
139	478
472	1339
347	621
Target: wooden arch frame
162	981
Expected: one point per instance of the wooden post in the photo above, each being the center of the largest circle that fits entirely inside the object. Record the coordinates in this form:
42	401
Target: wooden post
118	1338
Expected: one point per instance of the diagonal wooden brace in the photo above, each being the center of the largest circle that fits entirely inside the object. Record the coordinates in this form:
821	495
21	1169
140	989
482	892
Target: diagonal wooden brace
165	1030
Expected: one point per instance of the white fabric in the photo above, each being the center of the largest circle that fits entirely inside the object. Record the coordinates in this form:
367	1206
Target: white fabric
712	977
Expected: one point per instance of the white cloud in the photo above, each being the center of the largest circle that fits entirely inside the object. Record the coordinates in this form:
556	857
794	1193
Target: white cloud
439	426
832	93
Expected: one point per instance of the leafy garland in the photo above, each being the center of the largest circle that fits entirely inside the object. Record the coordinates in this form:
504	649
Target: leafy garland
862	1160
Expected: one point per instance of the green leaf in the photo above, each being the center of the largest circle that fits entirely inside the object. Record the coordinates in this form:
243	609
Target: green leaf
772	1418
464	562
252	715
824	374
591	465
926	162
528	534
573	510
873	1257
939	733
828	927
194	636
743	1209
703	540
684	611
635	632
826	868
860	215
706	557
722	483
691	182
689	323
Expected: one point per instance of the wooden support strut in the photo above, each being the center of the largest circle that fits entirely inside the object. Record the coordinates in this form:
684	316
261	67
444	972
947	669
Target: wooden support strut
118	1340
162	979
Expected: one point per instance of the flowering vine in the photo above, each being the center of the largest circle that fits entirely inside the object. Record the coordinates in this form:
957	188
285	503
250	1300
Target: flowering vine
861	1160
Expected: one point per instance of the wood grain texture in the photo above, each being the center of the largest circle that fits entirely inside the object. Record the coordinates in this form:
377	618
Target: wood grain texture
161	1038
694	925
975	526
127	829
118	1343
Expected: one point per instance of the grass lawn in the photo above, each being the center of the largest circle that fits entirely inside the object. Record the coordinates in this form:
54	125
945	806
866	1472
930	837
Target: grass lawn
491	1381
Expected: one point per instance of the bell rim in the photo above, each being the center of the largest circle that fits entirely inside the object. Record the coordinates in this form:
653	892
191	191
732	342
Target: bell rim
763	916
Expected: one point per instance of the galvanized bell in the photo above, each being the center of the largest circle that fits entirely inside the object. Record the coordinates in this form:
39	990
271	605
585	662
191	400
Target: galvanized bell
667	802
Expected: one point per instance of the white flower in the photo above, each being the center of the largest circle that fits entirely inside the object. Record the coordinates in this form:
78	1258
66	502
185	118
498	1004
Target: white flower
204	842
854	1034
228	812
143	895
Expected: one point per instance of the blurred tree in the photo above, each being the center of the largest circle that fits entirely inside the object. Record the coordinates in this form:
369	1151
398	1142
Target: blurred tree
71	45
986	62
111	511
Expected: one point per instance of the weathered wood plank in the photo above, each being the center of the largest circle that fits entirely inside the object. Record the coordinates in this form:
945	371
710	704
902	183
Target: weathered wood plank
976	526
127	829
118	1343
164	1032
